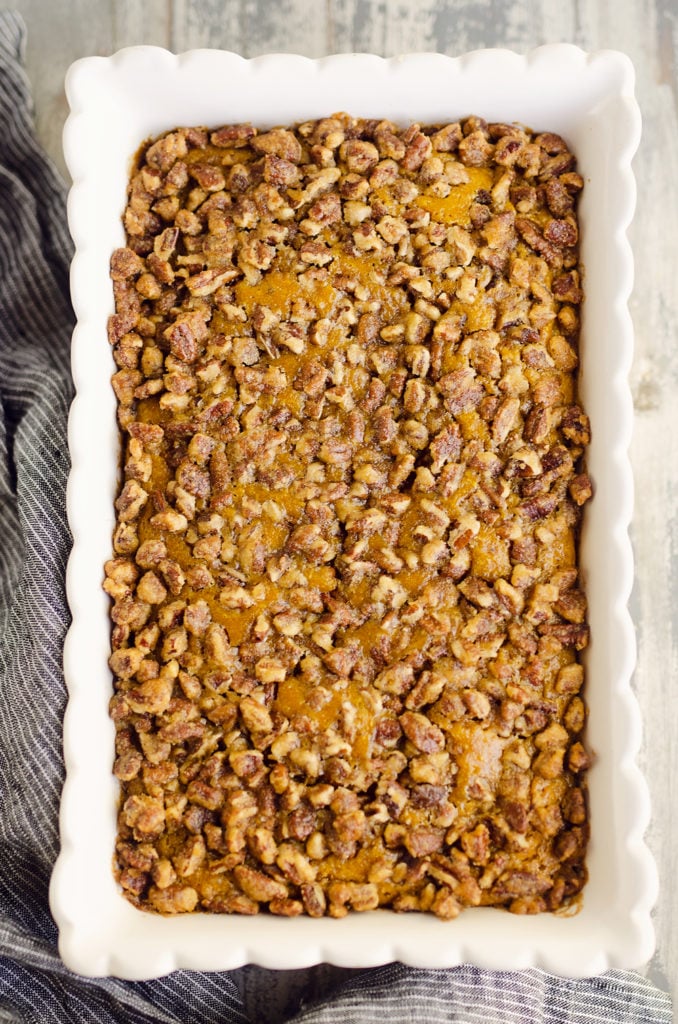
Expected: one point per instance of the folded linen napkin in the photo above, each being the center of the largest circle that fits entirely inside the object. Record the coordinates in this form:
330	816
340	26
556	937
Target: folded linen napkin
35	389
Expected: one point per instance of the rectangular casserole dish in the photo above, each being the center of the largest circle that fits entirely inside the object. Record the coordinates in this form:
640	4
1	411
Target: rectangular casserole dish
587	99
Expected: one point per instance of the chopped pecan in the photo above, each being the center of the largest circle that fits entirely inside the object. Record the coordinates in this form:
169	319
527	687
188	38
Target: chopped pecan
258	886
174	899
144	814
314	900
575	426
278	142
421	732
529	231
255	715
360	896
132	499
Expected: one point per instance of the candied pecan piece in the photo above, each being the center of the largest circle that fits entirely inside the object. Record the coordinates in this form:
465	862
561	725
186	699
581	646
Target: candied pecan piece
258	886
578	759
255	716
551	143
128	765
169	520
145	815
559	199
476	844
516	814
190	857
423	841
507	149
447	139
167	150
149	435
522	883
193	479
294	865
301	822
428	795
581	488
150	589
153	696
572	606
151	553
174	899
206	282
530	233
163	873
575	426
359	896
279	142
475	150
208	176
421	732
574	806
131	500
270	670
183	341
569	635
561	233
445	447
505	418
125	662
309	541
445	905
286	908
314	899
197	618
233	135
461	390
540	507
566	287
390	145
358	155
419	147
125	263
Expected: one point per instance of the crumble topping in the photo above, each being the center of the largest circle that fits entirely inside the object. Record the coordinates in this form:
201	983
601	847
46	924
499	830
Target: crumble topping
346	607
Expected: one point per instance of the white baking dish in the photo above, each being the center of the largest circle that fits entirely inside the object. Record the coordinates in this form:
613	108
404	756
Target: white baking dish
118	102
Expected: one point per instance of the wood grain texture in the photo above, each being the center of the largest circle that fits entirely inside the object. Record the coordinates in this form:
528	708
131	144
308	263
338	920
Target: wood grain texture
645	29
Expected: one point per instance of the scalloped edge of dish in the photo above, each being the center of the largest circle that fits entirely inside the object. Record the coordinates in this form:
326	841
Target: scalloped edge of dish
99	932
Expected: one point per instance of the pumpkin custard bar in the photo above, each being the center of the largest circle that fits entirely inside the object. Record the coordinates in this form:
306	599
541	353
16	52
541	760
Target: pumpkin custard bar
346	608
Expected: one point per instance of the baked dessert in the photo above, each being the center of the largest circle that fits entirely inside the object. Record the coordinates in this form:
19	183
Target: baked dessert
346	609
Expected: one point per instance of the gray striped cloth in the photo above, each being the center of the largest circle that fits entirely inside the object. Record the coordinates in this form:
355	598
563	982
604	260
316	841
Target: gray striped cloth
35	390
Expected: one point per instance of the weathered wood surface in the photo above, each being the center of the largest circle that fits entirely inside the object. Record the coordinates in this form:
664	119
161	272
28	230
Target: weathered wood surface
647	30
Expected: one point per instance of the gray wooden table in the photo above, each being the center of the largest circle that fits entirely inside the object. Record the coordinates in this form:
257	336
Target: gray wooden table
647	30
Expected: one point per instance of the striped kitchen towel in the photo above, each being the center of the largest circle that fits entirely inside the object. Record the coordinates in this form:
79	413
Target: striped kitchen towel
35	389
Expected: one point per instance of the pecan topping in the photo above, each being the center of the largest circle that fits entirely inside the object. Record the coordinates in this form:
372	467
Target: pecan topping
346	612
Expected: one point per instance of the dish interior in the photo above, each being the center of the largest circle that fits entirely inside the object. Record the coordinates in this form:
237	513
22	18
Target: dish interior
589	101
